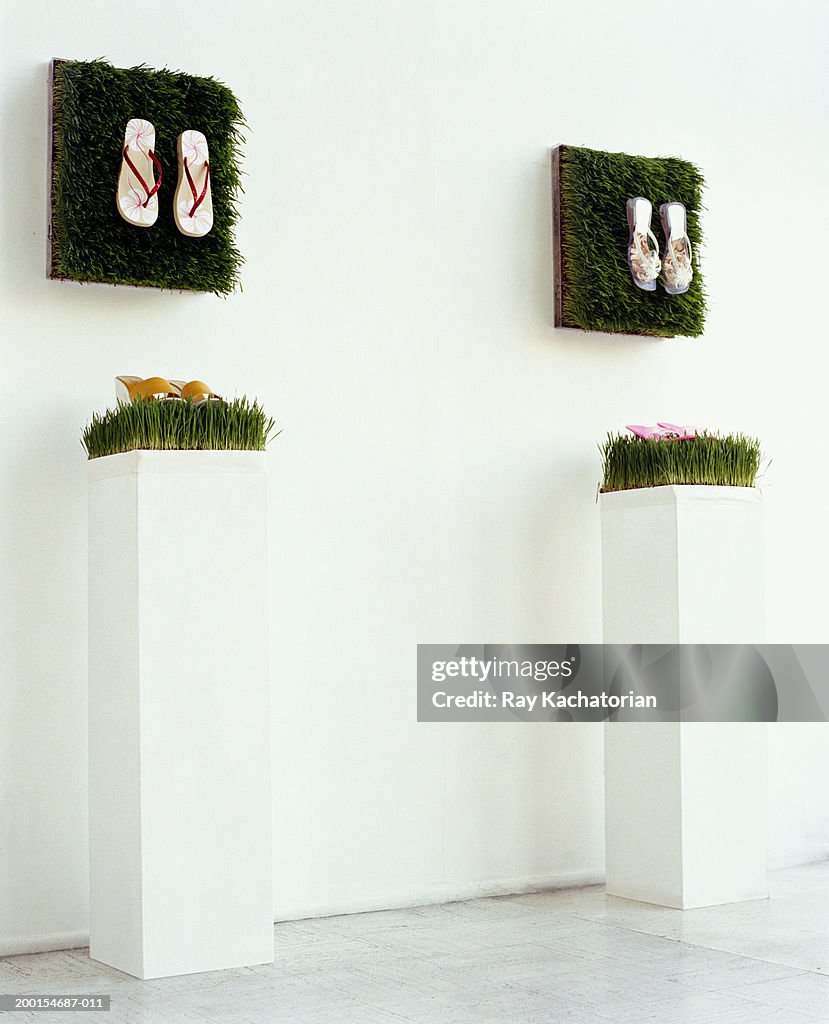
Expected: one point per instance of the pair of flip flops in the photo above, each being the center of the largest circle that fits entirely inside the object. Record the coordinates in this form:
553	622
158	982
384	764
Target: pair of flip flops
137	193
128	389
676	265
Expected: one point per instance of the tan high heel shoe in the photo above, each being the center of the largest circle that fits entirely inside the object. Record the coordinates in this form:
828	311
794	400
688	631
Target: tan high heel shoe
196	391
127	389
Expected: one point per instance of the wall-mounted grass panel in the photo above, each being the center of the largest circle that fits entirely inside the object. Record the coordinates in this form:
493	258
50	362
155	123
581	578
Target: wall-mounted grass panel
91	104
593	288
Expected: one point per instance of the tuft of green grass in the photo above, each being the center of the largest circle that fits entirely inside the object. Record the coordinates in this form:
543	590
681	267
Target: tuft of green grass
598	291
628	462
90	241
174	425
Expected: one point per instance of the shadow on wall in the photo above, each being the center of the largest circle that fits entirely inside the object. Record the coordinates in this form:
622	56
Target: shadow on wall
532	806
26	163
25	218
541	282
44	680
559	558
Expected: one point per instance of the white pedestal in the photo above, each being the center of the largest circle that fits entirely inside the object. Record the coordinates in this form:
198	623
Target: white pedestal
179	739
686	804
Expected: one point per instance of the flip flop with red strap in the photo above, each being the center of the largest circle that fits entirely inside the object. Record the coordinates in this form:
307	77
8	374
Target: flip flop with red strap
193	203
137	195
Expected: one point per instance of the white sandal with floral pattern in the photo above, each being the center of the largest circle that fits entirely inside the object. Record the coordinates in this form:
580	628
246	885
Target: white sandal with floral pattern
193	203
677	266
643	248
136	197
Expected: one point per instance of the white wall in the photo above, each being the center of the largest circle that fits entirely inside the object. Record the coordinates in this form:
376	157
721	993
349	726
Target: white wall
437	475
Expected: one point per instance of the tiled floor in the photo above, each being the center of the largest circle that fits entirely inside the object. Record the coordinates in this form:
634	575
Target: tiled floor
570	957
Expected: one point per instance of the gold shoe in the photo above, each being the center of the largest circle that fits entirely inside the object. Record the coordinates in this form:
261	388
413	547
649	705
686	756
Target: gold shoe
195	391
127	389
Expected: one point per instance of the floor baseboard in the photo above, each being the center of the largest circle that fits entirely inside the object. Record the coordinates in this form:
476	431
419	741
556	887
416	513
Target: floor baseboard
416	897
16	945
428	895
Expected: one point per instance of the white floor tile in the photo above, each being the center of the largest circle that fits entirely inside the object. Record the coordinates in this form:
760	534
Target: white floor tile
705	1008
790	929
501	1007
605	989
806	993
567	957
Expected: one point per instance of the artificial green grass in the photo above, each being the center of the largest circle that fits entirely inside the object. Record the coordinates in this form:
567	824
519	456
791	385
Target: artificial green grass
90	241
598	291
729	461
174	425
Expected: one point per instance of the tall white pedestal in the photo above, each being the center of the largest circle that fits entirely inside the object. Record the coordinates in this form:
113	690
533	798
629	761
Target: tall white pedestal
179	740
686	804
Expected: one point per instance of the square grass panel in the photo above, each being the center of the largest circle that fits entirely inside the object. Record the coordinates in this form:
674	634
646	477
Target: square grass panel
594	288
92	102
